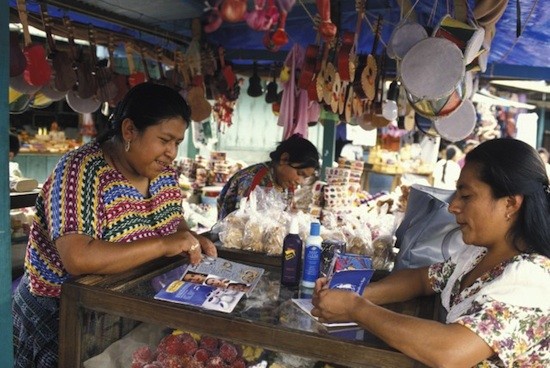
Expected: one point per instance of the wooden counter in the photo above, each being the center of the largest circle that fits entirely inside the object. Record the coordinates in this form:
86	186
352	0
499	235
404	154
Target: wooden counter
276	325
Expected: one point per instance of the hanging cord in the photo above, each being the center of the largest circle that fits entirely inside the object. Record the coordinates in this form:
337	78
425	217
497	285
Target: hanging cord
505	56
373	29
307	11
471	14
410	10
432	14
518	22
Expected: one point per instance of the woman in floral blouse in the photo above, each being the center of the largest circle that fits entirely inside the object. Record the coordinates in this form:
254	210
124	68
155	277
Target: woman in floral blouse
293	160
496	293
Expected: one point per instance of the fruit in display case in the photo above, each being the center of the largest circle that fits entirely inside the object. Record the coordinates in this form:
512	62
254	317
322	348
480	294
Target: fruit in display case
184	349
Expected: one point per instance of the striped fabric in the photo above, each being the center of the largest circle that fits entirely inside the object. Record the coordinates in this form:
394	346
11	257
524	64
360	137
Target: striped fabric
84	195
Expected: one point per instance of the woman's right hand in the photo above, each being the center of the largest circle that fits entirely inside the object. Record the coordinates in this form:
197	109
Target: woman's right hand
183	241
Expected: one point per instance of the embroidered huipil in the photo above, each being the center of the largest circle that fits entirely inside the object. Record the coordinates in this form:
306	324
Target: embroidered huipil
243	183
84	195
509	307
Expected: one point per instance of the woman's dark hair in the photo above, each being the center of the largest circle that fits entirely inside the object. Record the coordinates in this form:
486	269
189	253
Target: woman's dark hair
301	152
147	104
512	167
14	144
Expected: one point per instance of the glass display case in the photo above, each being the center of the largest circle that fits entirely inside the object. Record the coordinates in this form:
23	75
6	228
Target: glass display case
267	318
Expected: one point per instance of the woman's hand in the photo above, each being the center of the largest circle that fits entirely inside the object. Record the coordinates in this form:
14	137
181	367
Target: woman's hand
183	241
207	246
333	305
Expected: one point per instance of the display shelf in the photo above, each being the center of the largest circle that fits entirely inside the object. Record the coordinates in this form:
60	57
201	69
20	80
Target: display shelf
273	323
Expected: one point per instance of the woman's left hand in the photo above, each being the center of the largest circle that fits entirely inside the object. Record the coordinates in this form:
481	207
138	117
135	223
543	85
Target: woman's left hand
333	305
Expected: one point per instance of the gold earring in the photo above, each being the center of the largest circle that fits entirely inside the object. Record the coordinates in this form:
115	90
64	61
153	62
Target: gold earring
127	146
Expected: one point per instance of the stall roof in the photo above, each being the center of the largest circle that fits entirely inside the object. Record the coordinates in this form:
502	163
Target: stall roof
169	22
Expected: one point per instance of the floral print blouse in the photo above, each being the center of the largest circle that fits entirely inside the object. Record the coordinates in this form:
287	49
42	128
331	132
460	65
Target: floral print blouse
508	307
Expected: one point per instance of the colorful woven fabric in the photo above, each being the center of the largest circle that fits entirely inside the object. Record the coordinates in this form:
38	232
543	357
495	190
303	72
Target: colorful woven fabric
84	195
240	186
35	328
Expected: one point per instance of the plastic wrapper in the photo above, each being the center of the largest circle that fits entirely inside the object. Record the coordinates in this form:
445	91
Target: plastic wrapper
382	256
275	232
253	234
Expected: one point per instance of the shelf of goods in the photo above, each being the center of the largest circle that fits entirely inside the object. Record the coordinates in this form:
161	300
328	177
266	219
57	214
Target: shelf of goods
267	319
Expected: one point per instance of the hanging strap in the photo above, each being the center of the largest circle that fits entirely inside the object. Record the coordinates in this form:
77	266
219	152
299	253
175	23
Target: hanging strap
518	22
257	179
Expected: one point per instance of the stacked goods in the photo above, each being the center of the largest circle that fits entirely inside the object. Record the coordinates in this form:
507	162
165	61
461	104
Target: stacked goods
356	168
201	171
221	169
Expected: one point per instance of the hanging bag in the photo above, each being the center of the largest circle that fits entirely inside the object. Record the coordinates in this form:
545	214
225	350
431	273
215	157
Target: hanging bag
428	233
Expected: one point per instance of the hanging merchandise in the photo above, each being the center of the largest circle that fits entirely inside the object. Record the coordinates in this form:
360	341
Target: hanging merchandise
233	10
255	83
459	125
327	29
295	112
280	37
468	38
264	16
271	94
213	18
405	35
429	96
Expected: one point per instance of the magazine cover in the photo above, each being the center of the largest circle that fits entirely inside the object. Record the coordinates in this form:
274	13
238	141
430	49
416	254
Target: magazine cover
223	273
205	296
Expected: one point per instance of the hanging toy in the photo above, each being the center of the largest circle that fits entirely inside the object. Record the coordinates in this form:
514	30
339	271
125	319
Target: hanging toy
280	37
212	16
233	11
263	17
327	29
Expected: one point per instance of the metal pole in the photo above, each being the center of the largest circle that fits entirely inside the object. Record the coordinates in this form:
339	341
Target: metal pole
6	324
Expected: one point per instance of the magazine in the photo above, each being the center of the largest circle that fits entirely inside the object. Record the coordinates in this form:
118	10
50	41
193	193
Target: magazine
223	273
215	284
350	271
205	296
347	272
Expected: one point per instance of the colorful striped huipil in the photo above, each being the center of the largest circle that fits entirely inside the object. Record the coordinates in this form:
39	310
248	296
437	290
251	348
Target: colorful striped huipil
84	195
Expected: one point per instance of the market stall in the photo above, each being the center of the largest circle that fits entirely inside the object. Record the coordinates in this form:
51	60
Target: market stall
367	81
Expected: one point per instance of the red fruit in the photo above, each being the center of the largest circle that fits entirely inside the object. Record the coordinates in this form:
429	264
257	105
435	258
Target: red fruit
166	340
209	343
215	362
153	365
238	363
202	355
137	365
188	346
143	355
228	352
173	361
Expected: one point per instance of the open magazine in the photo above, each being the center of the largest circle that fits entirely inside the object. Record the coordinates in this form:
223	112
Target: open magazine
215	284
347	271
